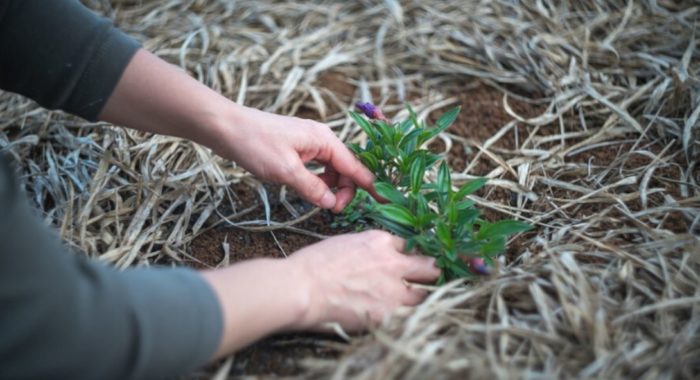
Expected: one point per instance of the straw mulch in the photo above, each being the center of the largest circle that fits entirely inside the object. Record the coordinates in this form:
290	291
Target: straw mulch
606	286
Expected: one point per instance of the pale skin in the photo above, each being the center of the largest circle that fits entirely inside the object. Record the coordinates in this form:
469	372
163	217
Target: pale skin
353	280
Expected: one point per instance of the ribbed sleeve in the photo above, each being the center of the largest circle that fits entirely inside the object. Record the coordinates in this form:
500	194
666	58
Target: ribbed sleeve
61	54
65	317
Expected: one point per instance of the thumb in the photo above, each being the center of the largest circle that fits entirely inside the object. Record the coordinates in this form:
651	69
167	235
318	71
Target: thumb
312	188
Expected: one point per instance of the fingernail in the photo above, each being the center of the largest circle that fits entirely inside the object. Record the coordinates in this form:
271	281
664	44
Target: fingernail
328	200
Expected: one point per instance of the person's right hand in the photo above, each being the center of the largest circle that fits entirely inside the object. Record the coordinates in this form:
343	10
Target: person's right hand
357	279
354	280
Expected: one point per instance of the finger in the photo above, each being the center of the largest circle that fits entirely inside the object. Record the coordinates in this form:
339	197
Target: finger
344	194
312	188
345	163
421	269
413	296
342	160
398	243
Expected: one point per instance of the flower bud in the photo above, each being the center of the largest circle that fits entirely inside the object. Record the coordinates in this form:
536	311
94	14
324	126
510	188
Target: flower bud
371	111
478	266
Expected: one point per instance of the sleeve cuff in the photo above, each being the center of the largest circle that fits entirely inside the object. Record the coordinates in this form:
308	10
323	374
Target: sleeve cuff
102	75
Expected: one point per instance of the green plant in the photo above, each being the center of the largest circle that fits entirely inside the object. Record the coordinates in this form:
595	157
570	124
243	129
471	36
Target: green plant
434	217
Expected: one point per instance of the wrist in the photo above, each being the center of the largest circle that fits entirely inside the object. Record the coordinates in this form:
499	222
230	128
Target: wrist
265	296
293	294
302	293
228	132
216	127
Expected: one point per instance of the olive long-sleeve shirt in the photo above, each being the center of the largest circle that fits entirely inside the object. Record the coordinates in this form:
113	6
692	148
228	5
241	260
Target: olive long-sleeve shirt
63	316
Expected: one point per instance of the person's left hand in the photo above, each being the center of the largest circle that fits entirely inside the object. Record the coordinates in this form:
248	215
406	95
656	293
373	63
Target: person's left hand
275	148
149	97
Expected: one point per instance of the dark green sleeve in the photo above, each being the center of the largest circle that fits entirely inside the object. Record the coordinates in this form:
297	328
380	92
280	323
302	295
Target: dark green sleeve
61	54
64	317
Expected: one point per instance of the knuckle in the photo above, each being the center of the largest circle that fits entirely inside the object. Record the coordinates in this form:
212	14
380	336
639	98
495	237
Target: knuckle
381	239
314	126
373	235
320	126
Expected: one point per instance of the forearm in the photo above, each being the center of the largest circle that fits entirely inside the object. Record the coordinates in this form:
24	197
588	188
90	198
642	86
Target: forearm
258	298
155	96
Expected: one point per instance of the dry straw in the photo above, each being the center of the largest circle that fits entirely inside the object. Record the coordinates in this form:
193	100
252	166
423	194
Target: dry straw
607	285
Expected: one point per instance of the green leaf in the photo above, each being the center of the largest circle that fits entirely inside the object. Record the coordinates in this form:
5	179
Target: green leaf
432	194
467	217
430	159
391	152
459	268
444	185
355	148
441	262
405	126
443	233
468	248
452	213
401	230
408	141
370	161
443	178
417	173
448	118
502	228
425	220
388	192
386	133
428	245
398	135
442	124
410	245
412	116
421	203
365	125
465	204
397	213
470	187
493	247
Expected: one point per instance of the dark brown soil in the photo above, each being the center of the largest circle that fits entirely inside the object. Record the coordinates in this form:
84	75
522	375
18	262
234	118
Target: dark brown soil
482	116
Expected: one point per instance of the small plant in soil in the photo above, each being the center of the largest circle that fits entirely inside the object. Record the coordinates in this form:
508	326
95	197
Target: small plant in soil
433	216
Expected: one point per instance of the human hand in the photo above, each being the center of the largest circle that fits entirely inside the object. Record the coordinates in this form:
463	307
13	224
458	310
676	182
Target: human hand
352	279
356	279
275	148
149	97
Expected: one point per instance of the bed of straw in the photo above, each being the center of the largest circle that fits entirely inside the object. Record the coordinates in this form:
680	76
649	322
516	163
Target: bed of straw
606	286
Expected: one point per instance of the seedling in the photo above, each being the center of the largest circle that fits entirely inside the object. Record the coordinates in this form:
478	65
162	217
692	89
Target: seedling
433	216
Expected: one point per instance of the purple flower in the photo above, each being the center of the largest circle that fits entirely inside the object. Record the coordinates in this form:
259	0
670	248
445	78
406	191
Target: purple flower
478	266
370	110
